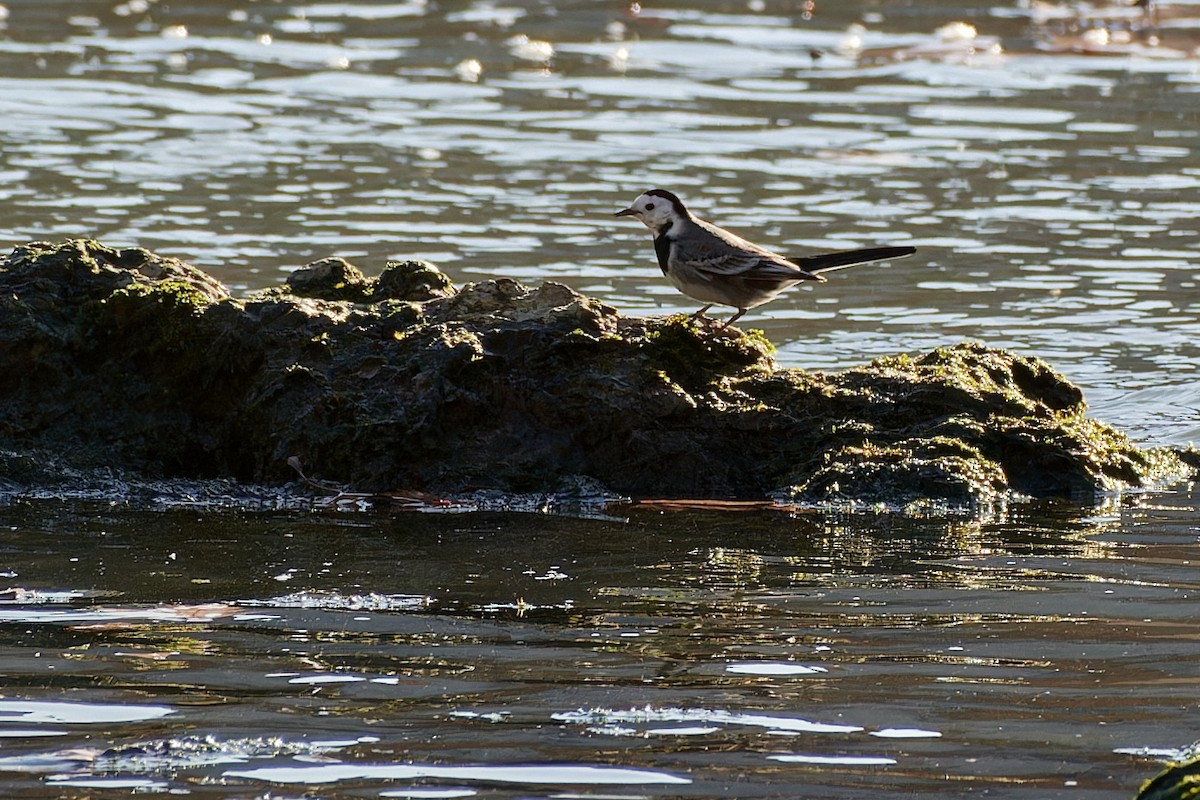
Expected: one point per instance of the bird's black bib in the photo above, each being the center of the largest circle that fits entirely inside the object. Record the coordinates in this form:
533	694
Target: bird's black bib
662	249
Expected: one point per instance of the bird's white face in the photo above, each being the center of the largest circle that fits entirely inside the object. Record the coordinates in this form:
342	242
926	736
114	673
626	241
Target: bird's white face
656	213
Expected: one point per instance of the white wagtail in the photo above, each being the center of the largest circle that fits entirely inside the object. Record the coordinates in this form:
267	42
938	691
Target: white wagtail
717	267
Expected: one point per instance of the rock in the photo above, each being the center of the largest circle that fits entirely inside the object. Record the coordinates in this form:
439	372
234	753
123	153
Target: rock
125	359
411	280
1179	781
975	424
330	279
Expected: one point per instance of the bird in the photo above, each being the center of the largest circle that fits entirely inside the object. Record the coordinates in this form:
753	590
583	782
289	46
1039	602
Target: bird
717	267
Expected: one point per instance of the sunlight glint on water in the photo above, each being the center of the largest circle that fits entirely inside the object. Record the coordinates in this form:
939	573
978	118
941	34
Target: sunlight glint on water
1050	189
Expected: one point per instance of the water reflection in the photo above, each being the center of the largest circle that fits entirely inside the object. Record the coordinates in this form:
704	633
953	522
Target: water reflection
228	655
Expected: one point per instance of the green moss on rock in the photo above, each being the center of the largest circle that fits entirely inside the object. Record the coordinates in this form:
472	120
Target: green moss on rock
968	422
1179	781
695	357
330	279
411	279
122	357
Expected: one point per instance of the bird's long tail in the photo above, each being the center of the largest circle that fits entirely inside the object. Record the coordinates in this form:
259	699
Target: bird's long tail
827	262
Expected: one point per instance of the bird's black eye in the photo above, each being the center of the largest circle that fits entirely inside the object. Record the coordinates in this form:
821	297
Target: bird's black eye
649	206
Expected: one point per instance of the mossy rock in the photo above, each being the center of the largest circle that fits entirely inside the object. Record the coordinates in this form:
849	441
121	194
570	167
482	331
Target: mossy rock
120	357
411	279
330	279
1177	782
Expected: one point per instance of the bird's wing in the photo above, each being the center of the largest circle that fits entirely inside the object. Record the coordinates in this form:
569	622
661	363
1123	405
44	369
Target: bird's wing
718	252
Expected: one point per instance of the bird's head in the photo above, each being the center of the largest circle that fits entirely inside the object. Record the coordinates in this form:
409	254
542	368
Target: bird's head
658	209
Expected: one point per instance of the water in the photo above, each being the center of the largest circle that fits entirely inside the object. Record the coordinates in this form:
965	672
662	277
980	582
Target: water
741	655
1050	188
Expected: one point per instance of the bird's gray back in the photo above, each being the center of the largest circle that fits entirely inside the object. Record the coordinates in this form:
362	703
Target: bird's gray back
717	251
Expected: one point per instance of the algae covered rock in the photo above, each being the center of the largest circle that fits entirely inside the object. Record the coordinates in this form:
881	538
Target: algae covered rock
330	279
123	358
973	423
338	279
411	280
1179	781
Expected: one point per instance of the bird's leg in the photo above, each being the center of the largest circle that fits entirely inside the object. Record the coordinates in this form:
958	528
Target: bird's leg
700	314
735	318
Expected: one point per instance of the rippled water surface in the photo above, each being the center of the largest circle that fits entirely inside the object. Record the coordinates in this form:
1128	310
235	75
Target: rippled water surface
648	655
1043	161
1045	165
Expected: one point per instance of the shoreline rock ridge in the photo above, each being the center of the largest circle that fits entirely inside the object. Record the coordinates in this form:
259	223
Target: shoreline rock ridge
121	358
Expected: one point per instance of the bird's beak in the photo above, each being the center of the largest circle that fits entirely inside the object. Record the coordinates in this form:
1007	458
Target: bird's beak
628	212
